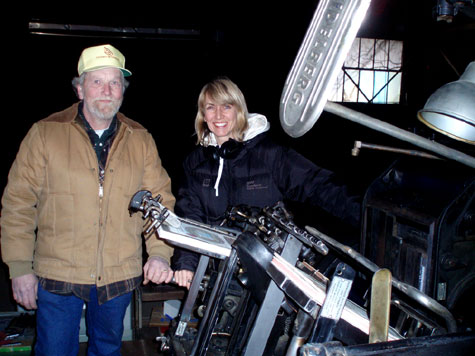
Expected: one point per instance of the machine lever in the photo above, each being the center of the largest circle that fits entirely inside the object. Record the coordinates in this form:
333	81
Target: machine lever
334	303
380	305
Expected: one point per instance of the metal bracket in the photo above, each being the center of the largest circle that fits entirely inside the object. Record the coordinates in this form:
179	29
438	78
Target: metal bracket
334	303
192	294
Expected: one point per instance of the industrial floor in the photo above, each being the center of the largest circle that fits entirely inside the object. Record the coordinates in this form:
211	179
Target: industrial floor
133	348
145	346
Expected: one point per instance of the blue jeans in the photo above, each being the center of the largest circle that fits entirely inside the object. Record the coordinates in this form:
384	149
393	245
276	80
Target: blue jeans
58	318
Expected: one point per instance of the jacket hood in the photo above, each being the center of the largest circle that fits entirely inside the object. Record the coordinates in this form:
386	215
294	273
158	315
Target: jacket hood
257	124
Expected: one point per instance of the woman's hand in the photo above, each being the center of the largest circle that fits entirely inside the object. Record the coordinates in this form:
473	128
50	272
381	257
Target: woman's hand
184	278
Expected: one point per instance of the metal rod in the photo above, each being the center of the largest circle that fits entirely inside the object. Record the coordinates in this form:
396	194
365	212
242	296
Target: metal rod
399	133
358	145
45	28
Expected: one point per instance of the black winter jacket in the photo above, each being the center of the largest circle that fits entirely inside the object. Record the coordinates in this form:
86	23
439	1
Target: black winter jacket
261	174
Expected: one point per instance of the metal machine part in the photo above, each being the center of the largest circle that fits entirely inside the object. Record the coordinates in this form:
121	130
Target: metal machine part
187	310
277	288
398	133
321	55
273	223
412	292
359	145
458	344
419	222
202	238
334	303
446	10
380	306
274	297
310	294
252	254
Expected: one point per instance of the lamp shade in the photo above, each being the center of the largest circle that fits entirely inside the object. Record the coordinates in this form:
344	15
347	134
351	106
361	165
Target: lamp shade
451	108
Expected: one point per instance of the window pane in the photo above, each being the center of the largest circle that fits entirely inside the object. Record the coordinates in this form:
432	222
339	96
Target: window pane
367	53
350	93
394	89
336	93
395	55
380	87
366	86
381	54
353	57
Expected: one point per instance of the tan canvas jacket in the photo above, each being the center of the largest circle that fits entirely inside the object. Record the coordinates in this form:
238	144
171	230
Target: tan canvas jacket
53	218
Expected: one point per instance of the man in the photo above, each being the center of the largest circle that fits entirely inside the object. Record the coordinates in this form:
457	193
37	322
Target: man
67	236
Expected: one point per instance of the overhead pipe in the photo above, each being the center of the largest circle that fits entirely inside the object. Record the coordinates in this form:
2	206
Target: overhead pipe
399	133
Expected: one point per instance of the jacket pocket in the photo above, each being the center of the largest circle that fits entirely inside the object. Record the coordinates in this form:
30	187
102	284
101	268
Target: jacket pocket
56	235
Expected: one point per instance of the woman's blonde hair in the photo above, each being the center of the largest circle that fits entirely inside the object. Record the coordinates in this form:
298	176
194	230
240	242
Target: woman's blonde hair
222	91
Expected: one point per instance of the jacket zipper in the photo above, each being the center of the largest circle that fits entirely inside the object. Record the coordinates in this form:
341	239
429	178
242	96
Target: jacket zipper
101	182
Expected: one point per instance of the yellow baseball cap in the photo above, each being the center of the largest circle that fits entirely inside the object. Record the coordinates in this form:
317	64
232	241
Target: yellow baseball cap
99	57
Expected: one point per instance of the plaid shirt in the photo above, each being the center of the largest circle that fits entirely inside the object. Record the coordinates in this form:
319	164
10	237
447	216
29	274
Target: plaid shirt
82	291
101	146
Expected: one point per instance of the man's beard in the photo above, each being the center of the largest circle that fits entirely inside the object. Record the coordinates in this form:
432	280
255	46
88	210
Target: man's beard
102	111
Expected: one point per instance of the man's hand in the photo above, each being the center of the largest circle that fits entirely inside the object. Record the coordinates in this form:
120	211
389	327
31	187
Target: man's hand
157	270
25	290
184	278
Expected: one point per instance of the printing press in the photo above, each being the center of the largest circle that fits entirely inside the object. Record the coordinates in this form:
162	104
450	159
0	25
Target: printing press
408	289
257	292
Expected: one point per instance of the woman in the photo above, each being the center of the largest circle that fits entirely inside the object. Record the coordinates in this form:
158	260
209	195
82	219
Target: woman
237	163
